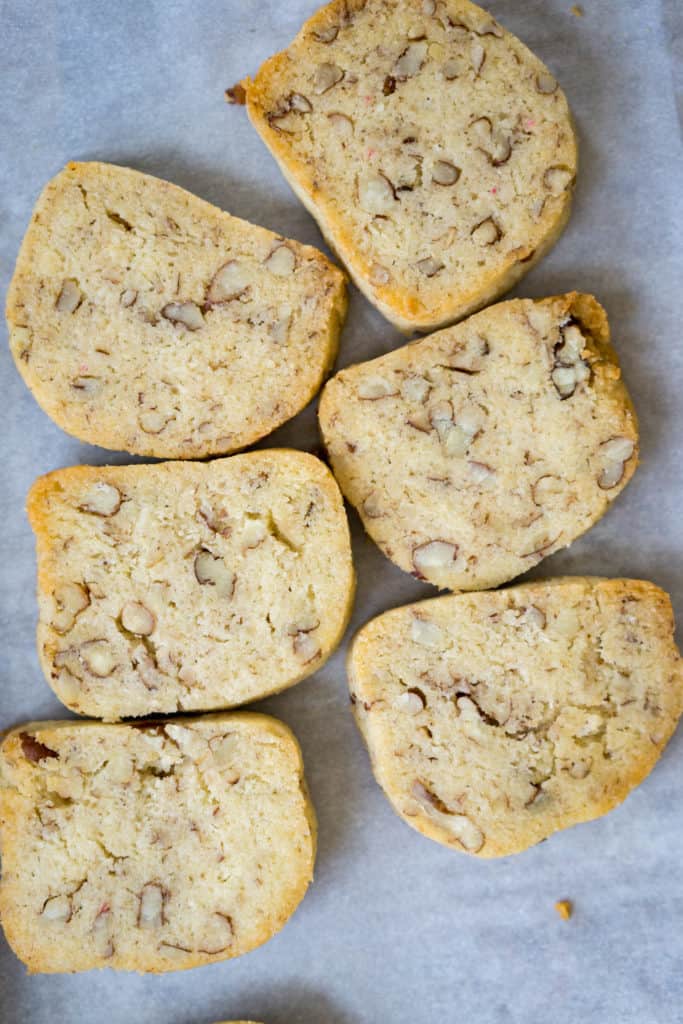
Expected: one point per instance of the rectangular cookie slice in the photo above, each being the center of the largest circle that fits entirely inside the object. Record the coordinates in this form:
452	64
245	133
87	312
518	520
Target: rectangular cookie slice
188	587
151	847
144	319
474	453
495	719
436	152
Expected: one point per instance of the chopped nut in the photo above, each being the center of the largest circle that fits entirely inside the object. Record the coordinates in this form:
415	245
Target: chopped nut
567	622
137	619
616	452
376	193
425	633
186	313
326	76
480	473
545	83
281	261
451	69
326	35
477	56
488	28
580	769
547	488
33	750
57	908
486	232
279	329
435	554
305	647
468	834
389	86
253	534
98	657
428	7
564	909
557	179
128	297
153	421
297	101
211	570
413	701
236	94
228	283
376	387
379	275
411	60
342	124
415	389
445	173
428	798
533	616
151	910
371	507
70	297
71	599
429	266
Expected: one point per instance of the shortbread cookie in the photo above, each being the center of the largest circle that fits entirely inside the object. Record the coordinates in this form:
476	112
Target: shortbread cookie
474	453
435	151
187	587
495	719
151	847
144	319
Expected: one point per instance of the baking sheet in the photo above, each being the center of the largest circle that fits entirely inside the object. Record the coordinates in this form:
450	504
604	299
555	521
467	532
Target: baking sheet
395	928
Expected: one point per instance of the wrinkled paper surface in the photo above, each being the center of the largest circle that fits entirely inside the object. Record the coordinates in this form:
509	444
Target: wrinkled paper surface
395	929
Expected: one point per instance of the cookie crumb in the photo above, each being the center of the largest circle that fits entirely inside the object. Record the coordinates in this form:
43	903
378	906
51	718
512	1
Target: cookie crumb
236	94
565	909
578	11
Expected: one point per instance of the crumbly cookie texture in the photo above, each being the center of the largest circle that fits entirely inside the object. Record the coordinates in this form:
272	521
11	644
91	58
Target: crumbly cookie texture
144	319
151	847
434	149
474	453
188	586
495	719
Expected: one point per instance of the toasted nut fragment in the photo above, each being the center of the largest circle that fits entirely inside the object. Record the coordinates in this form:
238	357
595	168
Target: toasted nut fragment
71	599
477	56
467	833
413	701
186	313
281	261
415	389
487	232
229	282
128	297
580	769
545	83
533	616
253	534
57	908
564	909
411	60
428	7
429	799
451	69
70	297
342	124
98	657
376	193
488	28
567	622
376	387
379	275
151	910
616	452
445	173
298	101
305	647
557	179
279	329
480	473
326	35
236	94
429	266
137	619
305	624
87	384
425	633
33	750
211	570
435	554
326	76
371	507
153	421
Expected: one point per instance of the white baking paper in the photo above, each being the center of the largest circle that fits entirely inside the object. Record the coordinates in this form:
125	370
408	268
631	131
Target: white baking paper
395	929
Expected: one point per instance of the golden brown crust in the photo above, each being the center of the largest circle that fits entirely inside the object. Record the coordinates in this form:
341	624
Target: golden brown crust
498	718
316	167
474	453
66	811
123	328
273	519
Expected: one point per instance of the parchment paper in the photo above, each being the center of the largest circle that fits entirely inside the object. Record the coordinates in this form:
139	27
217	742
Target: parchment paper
396	928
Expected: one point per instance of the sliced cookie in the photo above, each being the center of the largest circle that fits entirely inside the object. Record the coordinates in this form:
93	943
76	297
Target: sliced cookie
474	453
495	719
144	319
434	149
188	587
152	847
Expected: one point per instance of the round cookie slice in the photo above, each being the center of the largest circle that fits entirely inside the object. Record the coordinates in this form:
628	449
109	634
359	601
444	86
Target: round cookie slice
495	719
436	152
474	453
144	319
